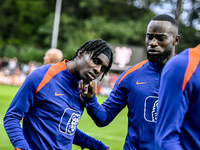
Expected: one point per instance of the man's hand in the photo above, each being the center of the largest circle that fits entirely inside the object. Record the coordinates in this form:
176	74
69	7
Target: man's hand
87	90
108	148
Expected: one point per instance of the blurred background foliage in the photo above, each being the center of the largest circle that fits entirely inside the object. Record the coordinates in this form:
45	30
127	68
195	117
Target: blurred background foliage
27	26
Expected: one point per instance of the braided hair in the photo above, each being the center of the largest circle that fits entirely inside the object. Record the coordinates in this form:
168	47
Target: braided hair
97	46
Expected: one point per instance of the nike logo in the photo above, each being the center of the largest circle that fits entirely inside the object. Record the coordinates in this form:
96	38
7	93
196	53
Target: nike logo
140	83
58	94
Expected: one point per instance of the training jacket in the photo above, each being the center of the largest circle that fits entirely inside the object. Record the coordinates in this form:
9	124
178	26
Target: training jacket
50	105
178	124
136	88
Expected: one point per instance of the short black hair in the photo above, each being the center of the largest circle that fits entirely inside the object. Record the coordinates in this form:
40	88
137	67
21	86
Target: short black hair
165	17
97	46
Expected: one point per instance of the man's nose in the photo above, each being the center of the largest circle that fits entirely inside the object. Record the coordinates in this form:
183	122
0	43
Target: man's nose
97	69
153	42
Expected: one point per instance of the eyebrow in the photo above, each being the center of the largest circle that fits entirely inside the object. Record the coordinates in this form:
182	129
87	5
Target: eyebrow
160	34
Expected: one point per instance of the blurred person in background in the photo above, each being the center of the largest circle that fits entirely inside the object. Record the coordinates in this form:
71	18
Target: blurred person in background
52	56
50	103
178	123
12	64
138	87
5	62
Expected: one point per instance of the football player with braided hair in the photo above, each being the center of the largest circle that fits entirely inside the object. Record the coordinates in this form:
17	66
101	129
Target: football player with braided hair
50	103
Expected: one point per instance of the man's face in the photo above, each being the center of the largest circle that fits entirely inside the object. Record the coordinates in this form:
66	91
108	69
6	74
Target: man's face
90	68
160	39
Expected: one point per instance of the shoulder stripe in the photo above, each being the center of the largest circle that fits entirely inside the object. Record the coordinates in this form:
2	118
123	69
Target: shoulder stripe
137	66
194	57
52	71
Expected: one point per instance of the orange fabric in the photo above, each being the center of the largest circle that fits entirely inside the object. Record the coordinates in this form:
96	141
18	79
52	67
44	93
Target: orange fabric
194	57
53	70
133	69
17	149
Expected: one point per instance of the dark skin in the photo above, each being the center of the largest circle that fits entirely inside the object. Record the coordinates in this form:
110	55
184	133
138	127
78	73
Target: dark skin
86	68
161	39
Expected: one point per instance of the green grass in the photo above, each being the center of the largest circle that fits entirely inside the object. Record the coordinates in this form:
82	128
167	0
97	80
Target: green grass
112	135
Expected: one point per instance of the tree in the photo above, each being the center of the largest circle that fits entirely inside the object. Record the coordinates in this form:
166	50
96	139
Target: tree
29	24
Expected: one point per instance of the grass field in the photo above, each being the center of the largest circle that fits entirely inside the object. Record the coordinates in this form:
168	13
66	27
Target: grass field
112	135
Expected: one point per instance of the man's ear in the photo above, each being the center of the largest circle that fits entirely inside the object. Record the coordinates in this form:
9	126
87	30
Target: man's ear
80	53
176	40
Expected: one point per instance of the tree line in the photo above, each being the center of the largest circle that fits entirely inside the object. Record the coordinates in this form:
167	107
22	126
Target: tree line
26	26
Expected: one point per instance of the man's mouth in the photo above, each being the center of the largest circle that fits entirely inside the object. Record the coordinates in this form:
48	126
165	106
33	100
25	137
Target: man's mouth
91	76
153	52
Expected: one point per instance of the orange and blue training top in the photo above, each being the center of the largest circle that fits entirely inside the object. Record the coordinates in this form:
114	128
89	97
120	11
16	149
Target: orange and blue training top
178	123
137	88
50	105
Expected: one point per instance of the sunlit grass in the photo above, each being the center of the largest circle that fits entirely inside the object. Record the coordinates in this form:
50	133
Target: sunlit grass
112	135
